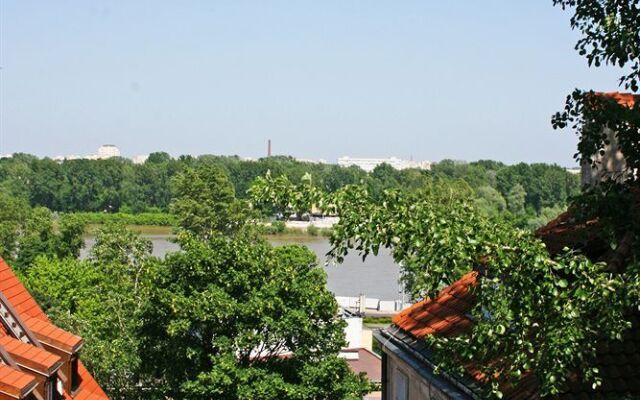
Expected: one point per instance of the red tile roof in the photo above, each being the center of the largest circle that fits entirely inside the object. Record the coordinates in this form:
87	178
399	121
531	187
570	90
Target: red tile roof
15	384
447	314
30	356
624	99
444	315
26	306
50	334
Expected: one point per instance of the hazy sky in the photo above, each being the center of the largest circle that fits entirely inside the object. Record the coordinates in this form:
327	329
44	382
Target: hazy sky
429	79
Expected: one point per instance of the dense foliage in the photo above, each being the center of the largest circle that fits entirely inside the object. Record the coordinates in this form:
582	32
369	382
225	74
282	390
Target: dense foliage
533	313
119	186
101	299
205	202
238	319
281	197
27	232
228	317
219	318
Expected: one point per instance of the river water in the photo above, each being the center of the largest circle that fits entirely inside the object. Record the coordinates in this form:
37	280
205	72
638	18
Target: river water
377	277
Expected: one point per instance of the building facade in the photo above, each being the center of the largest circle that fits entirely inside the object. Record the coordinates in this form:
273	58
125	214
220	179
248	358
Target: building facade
369	164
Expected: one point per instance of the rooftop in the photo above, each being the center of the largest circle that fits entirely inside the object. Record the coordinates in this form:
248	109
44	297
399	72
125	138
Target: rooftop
31	345
449	314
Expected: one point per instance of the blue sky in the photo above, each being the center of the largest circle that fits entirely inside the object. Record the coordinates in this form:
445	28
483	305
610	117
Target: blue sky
429	79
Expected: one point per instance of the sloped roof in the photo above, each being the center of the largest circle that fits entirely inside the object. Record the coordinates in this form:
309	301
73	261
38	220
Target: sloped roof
35	318
50	334
444	315
367	362
31	357
448	314
15	384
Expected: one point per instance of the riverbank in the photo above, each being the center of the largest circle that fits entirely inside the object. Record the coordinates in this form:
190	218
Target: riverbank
164	224
141	219
290	234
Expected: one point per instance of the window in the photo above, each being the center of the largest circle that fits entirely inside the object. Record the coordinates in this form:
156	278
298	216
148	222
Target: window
401	386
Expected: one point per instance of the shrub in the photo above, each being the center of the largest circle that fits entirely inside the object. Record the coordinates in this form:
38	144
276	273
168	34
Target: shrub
313	230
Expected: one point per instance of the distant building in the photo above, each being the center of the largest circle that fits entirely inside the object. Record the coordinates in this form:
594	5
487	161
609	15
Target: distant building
107	151
358	351
574	171
140	158
104	152
369	164
67	157
308	160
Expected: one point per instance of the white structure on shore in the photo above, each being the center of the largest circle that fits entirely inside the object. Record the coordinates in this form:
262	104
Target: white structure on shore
368	164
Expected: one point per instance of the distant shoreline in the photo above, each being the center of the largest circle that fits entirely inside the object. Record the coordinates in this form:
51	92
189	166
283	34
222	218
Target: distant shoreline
289	229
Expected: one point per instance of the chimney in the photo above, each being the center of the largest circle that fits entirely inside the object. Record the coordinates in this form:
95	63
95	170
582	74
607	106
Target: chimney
269	148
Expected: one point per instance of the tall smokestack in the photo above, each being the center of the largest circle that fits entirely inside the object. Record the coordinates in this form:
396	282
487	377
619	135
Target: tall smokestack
269	148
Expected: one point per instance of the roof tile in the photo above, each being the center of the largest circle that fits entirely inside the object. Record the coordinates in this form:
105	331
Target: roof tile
29	310
15	383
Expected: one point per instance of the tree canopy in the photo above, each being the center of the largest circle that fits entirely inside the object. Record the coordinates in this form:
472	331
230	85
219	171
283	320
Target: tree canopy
228	316
239	319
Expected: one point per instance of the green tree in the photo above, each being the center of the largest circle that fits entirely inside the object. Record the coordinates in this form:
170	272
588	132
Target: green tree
516	199
204	201
280	196
27	232
239	319
534	312
100	299
490	201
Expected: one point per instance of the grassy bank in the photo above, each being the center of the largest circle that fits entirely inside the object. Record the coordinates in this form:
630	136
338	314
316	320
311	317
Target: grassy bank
163	224
149	218
146	230
279	228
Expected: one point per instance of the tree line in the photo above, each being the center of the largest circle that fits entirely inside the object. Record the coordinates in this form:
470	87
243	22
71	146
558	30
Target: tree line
531	193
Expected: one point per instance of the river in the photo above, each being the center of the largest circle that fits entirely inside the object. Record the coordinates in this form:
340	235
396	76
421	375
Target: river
377	277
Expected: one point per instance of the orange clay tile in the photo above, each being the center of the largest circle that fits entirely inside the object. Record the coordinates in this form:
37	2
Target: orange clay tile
443	315
15	384
30	356
26	306
624	99
53	336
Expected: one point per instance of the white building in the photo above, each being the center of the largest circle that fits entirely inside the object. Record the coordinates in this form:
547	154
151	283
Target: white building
368	164
107	151
67	157
140	158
